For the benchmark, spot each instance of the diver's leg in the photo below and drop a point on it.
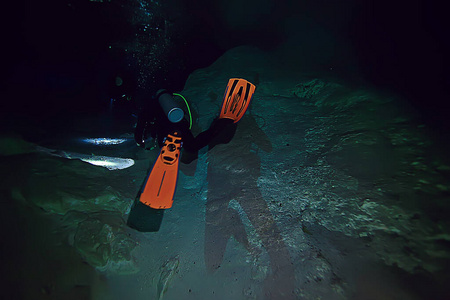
(221, 221)
(280, 283)
(221, 131)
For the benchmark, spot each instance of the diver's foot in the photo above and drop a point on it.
(238, 94)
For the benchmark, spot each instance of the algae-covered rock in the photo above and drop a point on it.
(367, 155)
(310, 89)
(58, 185)
(13, 144)
(103, 243)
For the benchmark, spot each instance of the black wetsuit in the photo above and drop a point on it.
(152, 122)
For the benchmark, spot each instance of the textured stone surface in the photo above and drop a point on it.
(104, 244)
(325, 192)
(350, 161)
(90, 208)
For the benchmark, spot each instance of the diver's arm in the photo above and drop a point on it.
(139, 131)
(145, 128)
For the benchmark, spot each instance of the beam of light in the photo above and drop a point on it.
(111, 163)
(104, 141)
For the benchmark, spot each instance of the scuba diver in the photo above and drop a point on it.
(163, 121)
(162, 116)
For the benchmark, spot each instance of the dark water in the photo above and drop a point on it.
(84, 68)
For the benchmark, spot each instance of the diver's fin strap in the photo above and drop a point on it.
(237, 97)
(160, 186)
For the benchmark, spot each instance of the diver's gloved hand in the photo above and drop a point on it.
(149, 143)
(145, 134)
(139, 139)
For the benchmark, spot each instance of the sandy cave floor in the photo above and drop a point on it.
(325, 192)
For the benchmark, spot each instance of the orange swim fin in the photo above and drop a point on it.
(238, 94)
(160, 187)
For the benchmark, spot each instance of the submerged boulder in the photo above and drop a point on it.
(104, 244)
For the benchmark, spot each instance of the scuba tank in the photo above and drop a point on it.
(170, 107)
